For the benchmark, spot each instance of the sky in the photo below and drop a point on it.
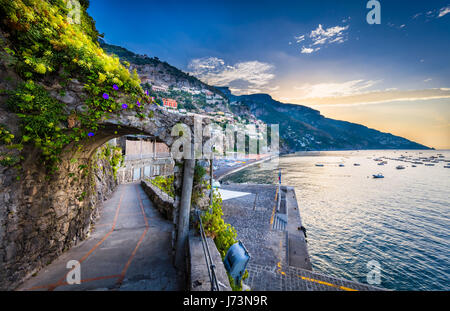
(393, 76)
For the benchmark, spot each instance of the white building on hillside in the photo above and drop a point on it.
(160, 88)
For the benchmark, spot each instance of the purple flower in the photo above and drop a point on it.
(138, 103)
(124, 106)
(105, 96)
(115, 87)
(90, 134)
(146, 92)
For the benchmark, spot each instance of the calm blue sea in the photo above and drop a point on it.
(401, 221)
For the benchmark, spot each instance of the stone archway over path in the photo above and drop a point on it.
(40, 217)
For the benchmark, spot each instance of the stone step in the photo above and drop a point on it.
(279, 223)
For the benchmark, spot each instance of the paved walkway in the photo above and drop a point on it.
(129, 249)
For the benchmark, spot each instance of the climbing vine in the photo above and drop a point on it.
(200, 184)
(223, 234)
(116, 160)
(40, 116)
(113, 154)
(6, 136)
(165, 183)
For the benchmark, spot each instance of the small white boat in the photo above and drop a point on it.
(400, 167)
(381, 163)
(446, 166)
(379, 175)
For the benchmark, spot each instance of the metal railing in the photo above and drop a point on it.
(209, 262)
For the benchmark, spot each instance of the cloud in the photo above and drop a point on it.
(322, 37)
(299, 39)
(360, 97)
(434, 13)
(307, 50)
(243, 77)
(392, 25)
(319, 33)
(323, 90)
(444, 11)
(427, 80)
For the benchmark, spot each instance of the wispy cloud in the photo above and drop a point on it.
(242, 77)
(392, 25)
(444, 11)
(299, 39)
(427, 80)
(434, 13)
(323, 90)
(354, 95)
(322, 37)
(307, 50)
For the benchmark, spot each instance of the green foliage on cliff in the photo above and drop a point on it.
(165, 183)
(200, 184)
(6, 136)
(48, 47)
(223, 234)
(113, 155)
(40, 116)
(116, 160)
(7, 139)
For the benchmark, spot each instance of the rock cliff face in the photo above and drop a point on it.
(303, 128)
(157, 70)
(41, 218)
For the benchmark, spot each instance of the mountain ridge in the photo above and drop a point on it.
(304, 128)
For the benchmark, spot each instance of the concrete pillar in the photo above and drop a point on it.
(183, 214)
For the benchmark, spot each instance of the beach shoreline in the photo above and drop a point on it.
(222, 172)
